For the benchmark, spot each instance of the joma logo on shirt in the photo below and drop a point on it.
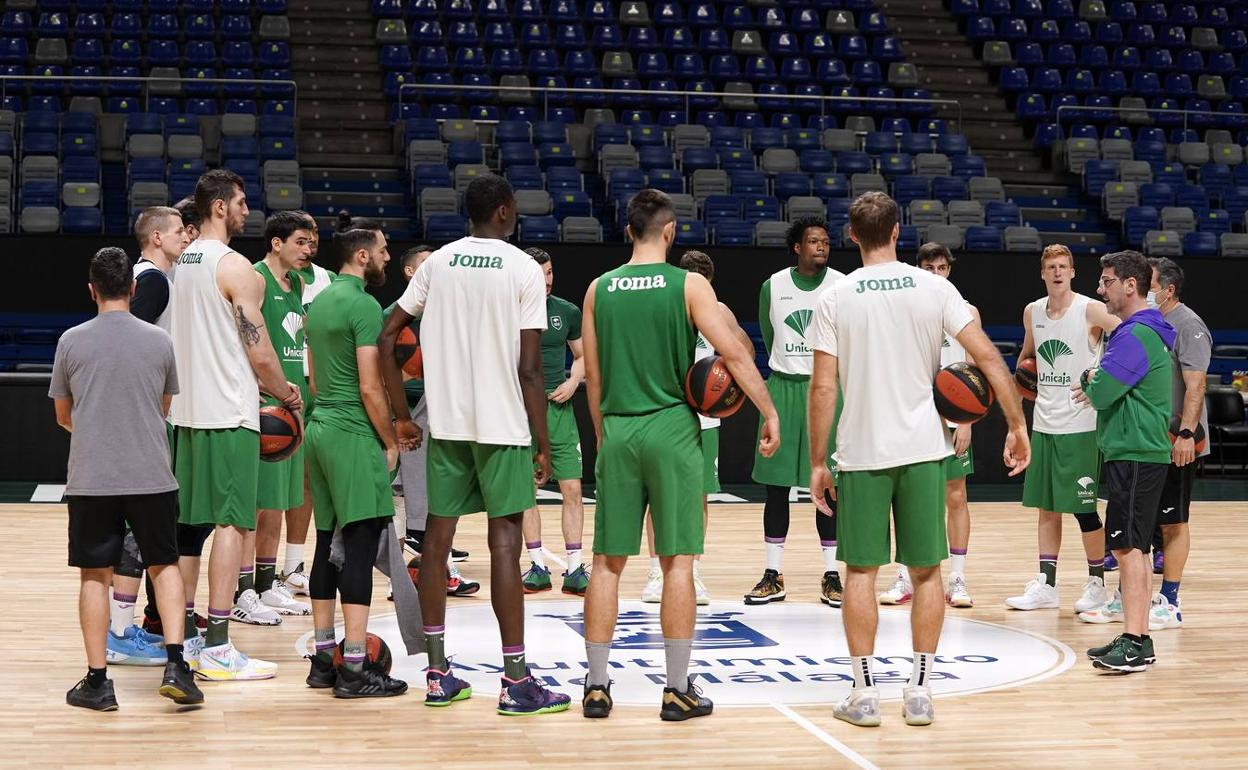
(473, 260)
(885, 284)
(640, 283)
(190, 258)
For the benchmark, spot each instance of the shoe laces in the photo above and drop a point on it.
(767, 582)
(957, 585)
(143, 637)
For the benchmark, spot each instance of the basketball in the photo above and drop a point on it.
(1198, 434)
(962, 393)
(1025, 377)
(376, 653)
(710, 389)
(280, 433)
(413, 570)
(407, 354)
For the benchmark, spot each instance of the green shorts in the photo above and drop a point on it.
(959, 466)
(648, 460)
(790, 465)
(467, 477)
(710, 461)
(914, 493)
(348, 476)
(565, 441)
(1063, 473)
(281, 484)
(218, 473)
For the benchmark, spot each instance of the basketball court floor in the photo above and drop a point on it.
(1013, 688)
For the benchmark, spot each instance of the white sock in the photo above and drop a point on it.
(829, 557)
(903, 573)
(294, 557)
(535, 553)
(957, 564)
(922, 668)
(654, 564)
(862, 671)
(121, 614)
(697, 568)
(574, 559)
(775, 553)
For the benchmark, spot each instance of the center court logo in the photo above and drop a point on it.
(1051, 351)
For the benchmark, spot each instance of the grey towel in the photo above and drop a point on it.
(390, 562)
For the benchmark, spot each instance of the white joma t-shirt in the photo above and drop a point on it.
(473, 297)
(885, 325)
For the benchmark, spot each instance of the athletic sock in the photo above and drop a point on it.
(862, 671)
(353, 656)
(535, 553)
(903, 572)
(774, 546)
(1170, 590)
(294, 557)
(190, 629)
(574, 557)
(1048, 567)
(173, 652)
(325, 643)
(957, 561)
(121, 613)
(218, 627)
(96, 677)
(246, 578)
(829, 555)
(655, 566)
(435, 643)
(598, 655)
(266, 573)
(677, 652)
(514, 666)
(1096, 568)
(922, 668)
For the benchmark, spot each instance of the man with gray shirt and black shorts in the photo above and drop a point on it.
(112, 380)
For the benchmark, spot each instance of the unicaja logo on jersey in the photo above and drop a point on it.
(701, 343)
(1050, 351)
(638, 283)
(293, 324)
(1086, 491)
(798, 321)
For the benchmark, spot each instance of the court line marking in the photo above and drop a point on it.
(822, 735)
(48, 493)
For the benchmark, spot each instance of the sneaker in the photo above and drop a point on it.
(296, 582)
(1124, 657)
(368, 682)
(831, 591)
(679, 706)
(701, 596)
(101, 698)
(653, 592)
(413, 545)
(900, 592)
(861, 707)
(1159, 562)
(442, 688)
(527, 696)
(1094, 595)
(1111, 564)
(458, 585)
(282, 601)
(916, 705)
(321, 673)
(1038, 595)
(769, 589)
(576, 583)
(191, 650)
(155, 640)
(1150, 656)
(249, 609)
(537, 579)
(596, 703)
(225, 663)
(1164, 614)
(178, 685)
(956, 596)
(133, 649)
(1109, 612)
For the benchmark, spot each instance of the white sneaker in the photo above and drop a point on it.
(957, 595)
(279, 599)
(191, 650)
(916, 704)
(1109, 612)
(296, 582)
(1164, 614)
(1038, 595)
(701, 595)
(224, 663)
(899, 593)
(653, 592)
(249, 609)
(1094, 595)
(861, 707)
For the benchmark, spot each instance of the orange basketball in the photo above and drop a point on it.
(407, 354)
(711, 390)
(280, 433)
(376, 653)
(962, 393)
(1026, 378)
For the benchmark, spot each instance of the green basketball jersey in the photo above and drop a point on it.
(343, 318)
(645, 338)
(283, 319)
(563, 323)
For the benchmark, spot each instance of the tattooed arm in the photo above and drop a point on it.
(243, 288)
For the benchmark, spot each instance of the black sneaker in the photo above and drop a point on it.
(1150, 656)
(413, 544)
(679, 706)
(85, 696)
(178, 685)
(369, 682)
(831, 591)
(596, 703)
(321, 675)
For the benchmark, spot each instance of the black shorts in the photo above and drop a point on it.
(1176, 495)
(97, 528)
(1133, 490)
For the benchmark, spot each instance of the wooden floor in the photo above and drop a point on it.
(1189, 710)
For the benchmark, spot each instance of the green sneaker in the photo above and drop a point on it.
(576, 582)
(536, 579)
(1150, 657)
(1124, 657)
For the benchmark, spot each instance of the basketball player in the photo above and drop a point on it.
(641, 327)
(112, 378)
(563, 333)
(482, 307)
(352, 450)
(225, 359)
(1063, 332)
(700, 263)
(786, 304)
(190, 217)
(879, 332)
(1130, 391)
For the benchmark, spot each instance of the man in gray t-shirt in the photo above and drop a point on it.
(112, 380)
(1192, 349)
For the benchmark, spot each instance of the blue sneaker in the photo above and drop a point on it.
(527, 696)
(131, 649)
(1111, 564)
(442, 688)
(155, 640)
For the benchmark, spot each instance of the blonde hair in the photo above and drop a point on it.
(151, 220)
(1055, 250)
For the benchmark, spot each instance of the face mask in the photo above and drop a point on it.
(1151, 299)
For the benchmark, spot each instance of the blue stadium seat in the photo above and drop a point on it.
(720, 208)
(1136, 222)
(524, 177)
(1216, 221)
(911, 188)
(666, 179)
(572, 203)
(948, 188)
(543, 229)
(690, 233)
(445, 227)
(829, 186)
(82, 219)
(734, 233)
(655, 157)
(563, 178)
(790, 183)
(1200, 244)
(985, 238)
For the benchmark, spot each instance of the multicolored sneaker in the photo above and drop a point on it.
(861, 707)
(831, 592)
(191, 650)
(1111, 564)
(1109, 612)
(576, 582)
(458, 585)
(296, 581)
(537, 579)
(957, 596)
(596, 702)
(1124, 657)
(1159, 562)
(679, 706)
(1164, 615)
(769, 589)
(133, 648)
(701, 596)
(442, 688)
(900, 592)
(528, 696)
(652, 593)
(225, 663)
(916, 705)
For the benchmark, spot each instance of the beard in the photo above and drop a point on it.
(374, 274)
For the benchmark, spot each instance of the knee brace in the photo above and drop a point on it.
(1088, 522)
(131, 562)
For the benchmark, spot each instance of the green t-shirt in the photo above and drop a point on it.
(343, 318)
(563, 323)
(283, 315)
(645, 338)
(414, 388)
